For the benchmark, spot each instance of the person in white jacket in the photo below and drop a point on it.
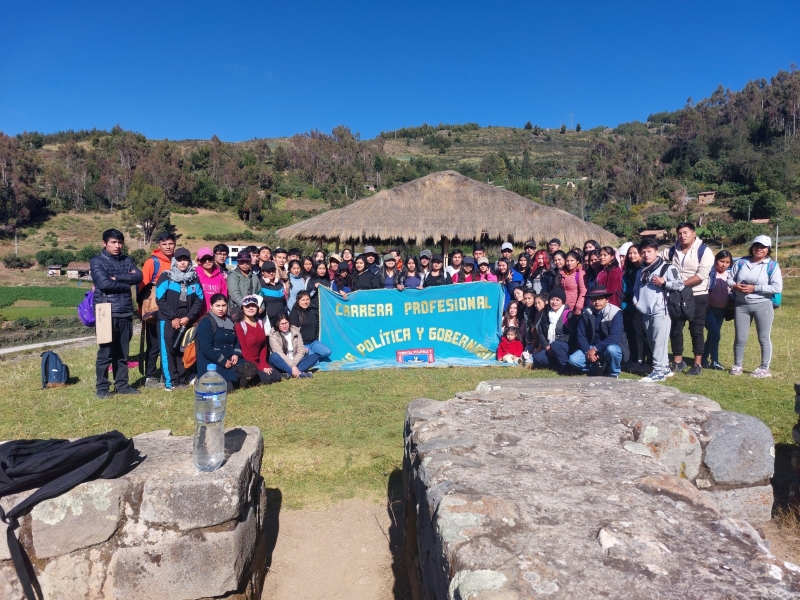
(756, 281)
(653, 280)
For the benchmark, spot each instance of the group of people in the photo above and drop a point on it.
(602, 310)
(597, 309)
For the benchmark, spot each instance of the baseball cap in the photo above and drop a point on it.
(252, 299)
(243, 256)
(437, 258)
(344, 267)
(204, 251)
(183, 253)
(426, 253)
(370, 250)
(530, 244)
(269, 266)
(483, 261)
(389, 257)
(507, 246)
(468, 260)
(764, 240)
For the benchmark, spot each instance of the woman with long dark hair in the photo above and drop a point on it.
(631, 317)
(718, 298)
(610, 275)
(306, 319)
(523, 266)
(362, 278)
(572, 283)
(288, 353)
(410, 277)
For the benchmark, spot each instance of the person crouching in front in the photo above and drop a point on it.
(602, 345)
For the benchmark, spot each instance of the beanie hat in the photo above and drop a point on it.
(558, 293)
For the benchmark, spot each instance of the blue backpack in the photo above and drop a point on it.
(54, 372)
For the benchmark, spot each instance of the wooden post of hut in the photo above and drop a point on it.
(445, 249)
(336, 248)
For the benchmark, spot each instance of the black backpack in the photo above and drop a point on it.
(55, 467)
(54, 372)
(680, 303)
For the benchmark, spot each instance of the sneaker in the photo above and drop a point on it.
(177, 387)
(129, 391)
(103, 394)
(655, 376)
(306, 375)
(761, 373)
(678, 367)
(695, 370)
(715, 366)
(736, 370)
(153, 383)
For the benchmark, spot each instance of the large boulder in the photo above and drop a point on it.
(581, 488)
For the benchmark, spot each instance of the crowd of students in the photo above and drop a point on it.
(594, 309)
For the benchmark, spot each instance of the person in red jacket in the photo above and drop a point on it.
(610, 276)
(252, 334)
(157, 263)
(510, 348)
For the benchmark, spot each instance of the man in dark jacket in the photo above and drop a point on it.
(271, 288)
(113, 274)
(602, 344)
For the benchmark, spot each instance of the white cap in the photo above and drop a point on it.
(623, 250)
(507, 246)
(764, 240)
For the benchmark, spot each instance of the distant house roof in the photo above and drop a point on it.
(78, 266)
(53, 266)
(648, 232)
(706, 193)
(760, 221)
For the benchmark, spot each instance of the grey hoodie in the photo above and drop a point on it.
(651, 299)
(744, 271)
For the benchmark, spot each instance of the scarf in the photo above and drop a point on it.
(649, 270)
(222, 323)
(183, 277)
(553, 317)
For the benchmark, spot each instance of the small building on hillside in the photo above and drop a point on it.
(706, 198)
(79, 270)
(760, 221)
(54, 270)
(658, 234)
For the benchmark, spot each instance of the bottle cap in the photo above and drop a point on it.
(212, 367)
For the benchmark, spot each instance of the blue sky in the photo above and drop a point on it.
(265, 69)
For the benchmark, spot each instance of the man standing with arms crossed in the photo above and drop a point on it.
(113, 274)
(694, 261)
(160, 261)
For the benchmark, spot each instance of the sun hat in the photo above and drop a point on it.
(204, 251)
(183, 253)
(483, 261)
(337, 257)
(764, 240)
(598, 291)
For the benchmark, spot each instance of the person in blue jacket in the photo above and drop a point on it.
(217, 343)
(510, 279)
(602, 345)
(179, 295)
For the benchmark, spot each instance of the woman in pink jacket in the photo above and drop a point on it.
(210, 277)
(573, 283)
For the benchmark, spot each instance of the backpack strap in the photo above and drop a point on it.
(156, 269)
(671, 253)
(771, 265)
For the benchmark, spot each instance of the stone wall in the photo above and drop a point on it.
(163, 530)
(588, 488)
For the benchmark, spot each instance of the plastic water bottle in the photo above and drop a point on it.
(210, 394)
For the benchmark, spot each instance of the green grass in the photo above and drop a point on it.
(206, 221)
(339, 435)
(56, 296)
(12, 313)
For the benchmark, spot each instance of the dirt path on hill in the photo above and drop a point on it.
(351, 550)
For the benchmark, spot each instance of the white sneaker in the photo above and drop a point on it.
(761, 373)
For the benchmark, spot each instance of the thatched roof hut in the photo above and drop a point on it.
(444, 206)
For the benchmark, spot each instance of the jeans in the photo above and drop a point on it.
(715, 317)
(763, 314)
(696, 325)
(152, 350)
(611, 356)
(556, 359)
(308, 361)
(634, 330)
(319, 349)
(115, 355)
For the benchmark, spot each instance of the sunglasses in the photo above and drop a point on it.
(207, 259)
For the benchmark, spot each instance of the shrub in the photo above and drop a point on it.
(17, 262)
(55, 256)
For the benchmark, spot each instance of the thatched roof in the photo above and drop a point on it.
(447, 205)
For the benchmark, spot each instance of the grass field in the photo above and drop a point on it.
(339, 435)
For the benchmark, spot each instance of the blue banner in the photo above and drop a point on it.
(439, 326)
